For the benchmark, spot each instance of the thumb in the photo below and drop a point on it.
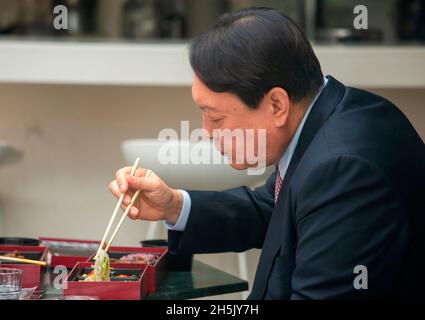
(141, 183)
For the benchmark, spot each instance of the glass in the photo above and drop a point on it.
(10, 283)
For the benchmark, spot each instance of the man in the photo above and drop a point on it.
(346, 197)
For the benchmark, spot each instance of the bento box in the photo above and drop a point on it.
(31, 275)
(67, 252)
(156, 268)
(128, 282)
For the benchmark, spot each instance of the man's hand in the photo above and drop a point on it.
(157, 201)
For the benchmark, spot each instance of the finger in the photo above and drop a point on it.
(114, 188)
(136, 210)
(121, 176)
(128, 197)
(133, 213)
(140, 172)
(142, 183)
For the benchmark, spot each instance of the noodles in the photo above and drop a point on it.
(101, 268)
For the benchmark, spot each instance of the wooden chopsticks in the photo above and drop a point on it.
(127, 210)
(40, 263)
(125, 214)
(114, 214)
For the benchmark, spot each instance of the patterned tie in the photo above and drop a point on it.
(277, 185)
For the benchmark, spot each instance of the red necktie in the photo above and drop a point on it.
(277, 185)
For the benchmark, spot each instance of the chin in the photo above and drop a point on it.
(238, 166)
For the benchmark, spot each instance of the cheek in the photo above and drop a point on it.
(252, 142)
(250, 124)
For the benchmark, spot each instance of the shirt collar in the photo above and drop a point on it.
(287, 156)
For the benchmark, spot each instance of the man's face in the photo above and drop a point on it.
(221, 111)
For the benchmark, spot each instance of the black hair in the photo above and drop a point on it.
(252, 50)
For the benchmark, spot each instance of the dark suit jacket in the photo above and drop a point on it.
(353, 195)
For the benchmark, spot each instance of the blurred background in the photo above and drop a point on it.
(328, 21)
(69, 98)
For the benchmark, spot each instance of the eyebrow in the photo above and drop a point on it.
(207, 108)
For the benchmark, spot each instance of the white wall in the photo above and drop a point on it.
(71, 135)
(71, 138)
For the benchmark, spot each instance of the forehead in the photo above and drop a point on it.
(210, 100)
(200, 92)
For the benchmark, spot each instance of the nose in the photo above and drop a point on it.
(207, 127)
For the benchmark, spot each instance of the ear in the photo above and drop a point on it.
(279, 103)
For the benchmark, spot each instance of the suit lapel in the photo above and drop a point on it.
(323, 108)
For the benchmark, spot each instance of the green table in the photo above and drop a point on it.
(202, 281)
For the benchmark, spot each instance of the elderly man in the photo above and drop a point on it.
(347, 195)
